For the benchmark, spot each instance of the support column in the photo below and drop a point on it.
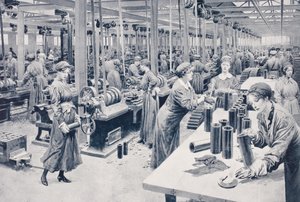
(186, 34)
(70, 43)
(203, 28)
(215, 37)
(170, 36)
(62, 43)
(21, 52)
(80, 45)
(154, 36)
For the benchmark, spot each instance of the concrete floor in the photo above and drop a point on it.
(97, 179)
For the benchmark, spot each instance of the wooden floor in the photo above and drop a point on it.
(97, 179)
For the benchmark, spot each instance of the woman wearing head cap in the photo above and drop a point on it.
(63, 153)
(224, 82)
(278, 130)
(133, 68)
(287, 90)
(273, 64)
(113, 75)
(164, 68)
(181, 99)
(35, 80)
(11, 66)
(148, 84)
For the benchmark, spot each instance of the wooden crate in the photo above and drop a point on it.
(9, 143)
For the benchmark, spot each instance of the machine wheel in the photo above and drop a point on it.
(88, 125)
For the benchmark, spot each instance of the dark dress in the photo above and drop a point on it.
(283, 138)
(167, 126)
(63, 151)
(150, 107)
(221, 84)
(35, 80)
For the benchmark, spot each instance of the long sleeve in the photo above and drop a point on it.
(259, 140)
(212, 85)
(184, 98)
(55, 98)
(278, 91)
(235, 84)
(283, 134)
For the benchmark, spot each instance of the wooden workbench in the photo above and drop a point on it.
(170, 177)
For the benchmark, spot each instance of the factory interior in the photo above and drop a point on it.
(149, 100)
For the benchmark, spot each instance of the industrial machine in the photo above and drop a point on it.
(105, 116)
(13, 100)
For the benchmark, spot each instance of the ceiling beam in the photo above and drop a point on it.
(35, 23)
(251, 8)
(34, 7)
(108, 11)
(233, 15)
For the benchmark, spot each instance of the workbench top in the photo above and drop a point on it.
(171, 176)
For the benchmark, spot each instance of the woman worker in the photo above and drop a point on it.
(278, 130)
(287, 90)
(35, 80)
(150, 104)
(224, 82)
(182, 99)
(63, 153)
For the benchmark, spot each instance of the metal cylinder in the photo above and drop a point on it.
(227, 142)
(241, 110)
(125, 148)
(120, 151)
(246, 123)
(226, 101)
(234, 98)
(223, 122)
(244, 99)
(199, 146)
(245, 106)
(215, 138)
(240, 117)
(208, 115)
(232, 118)
(265, 74)
(245, 149)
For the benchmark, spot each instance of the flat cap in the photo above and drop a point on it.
(62, 65)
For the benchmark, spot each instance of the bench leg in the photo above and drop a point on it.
(170, 198)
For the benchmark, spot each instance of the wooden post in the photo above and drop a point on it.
(170, 35)
(215, 37)
(122, 35)
(21, 52)
(94, 47)
(80, 44)
(70, 43)
(196, 25)
(222, 38)
(62, 43)
(186, 35)
(2, 41)
(102, 45)
(154, 36)
(203, 56)
(147, 30)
